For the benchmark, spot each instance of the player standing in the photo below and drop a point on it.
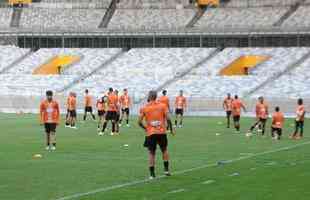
(180, 106)
(67, 124)
(118, 112)
(100, 105)
(72, 110)
(237, 104)
(49, 116)
(88, 105)
(164, 99)
(125, 103)
(261, 116)
(227, 106)
(299, 121)
(153, 118)
(111, 111)
(277, 124)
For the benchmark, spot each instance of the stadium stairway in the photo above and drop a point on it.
(16, 62)
(188, 71)
(199, 13)
(289, 12)
(83, 77)
(16, 15)
(279, 74)
(108, 14)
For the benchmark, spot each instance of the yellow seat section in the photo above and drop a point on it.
(12, 2)
(241, 65)
(56, 64)
(208, 2)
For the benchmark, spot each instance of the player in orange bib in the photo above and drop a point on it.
(88, 105)
(180, 106)
(237, 104)
(101, 108)
(299, 120)
(153, 118)
(125, 103)
(50, 116)
(67, 124)
(261, 116)
(118, 112)
(227, 106)
(112, 110)
(277, 124)
(164, 99)
(72, 110)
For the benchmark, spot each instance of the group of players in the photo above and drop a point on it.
(233, 107)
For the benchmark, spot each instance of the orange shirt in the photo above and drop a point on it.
(49, 112)
(228, 104)
(180, 102)
(277, 120)
(262, 110)
(164, 100)
(125, 101)
(155, 115)
(88, 101)
(68, 101)
(300, 112)
(72, 103)
(100, 105)
(236, 107)
(112, 102)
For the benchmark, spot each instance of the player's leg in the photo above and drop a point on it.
(151, 140)
(273, 132)
(85, 114)
(302, 129)
(263, 125)
(176, 118)
(67, 118)
(163, 143)
(181, 118)
(279, 133)
(121, 117)
(105, 123)
(237, 123)
(117, 118)
(92, 114)
(48, 138)
(256, 123)
(228, 115)
(53, 136)
(127, 116)
(296, 129)
(73, 118)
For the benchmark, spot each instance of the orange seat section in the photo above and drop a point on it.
(12, 2)
(56, 64)
(208, 2)
(241, 65)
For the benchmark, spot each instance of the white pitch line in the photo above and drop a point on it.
(105, 189)
(176, 191)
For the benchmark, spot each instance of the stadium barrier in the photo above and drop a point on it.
(197, 106)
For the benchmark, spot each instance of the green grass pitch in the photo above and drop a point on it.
(88, 167)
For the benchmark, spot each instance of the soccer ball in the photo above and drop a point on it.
(249, 134)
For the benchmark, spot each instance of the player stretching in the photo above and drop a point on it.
(299, 121)
(49, 116)
(277, 124)
(180, 106)
(111, 111)
(153, 118)
(88, 105)
(125, 103)
(101, 112)
(72, 110)
(261, 116)
(237, 104)
(227, 103)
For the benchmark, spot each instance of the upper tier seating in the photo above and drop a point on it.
(8, 54)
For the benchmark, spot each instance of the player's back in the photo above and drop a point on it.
(228, 103)
(236, 106)
(164, 100)
(155, 114)
(88, 100)
(277, 119)
(112, 102)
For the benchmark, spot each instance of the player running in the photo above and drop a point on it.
(111, 112)
(261, 116)
(299, 121)
(153, 118)
(88, 105)
(237, 104)
(50, 116)
(101, 108)
(277, 124)
(227, 106)
(125, 103)
(180, 106)
(72, 111)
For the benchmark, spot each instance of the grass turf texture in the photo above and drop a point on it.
(85, 162)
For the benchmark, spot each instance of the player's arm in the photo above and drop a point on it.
(141, 120)
(243, 107)
(41, 113)
(224, 105)
(171, 129)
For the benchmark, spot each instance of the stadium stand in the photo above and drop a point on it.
(260, 3)
(299, 18)
(9, 54)
(5, 14)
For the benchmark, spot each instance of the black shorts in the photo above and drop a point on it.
(262, 120)
(276, 130)
(101, 113)
(228, 113)
(179, 111)
(152, 141)
(89, 109)
(125, 110)
(111, 115)
(50, 127)
(72, 113)
(236, 118)
(118, 116)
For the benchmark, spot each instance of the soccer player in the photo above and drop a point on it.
(237, 104)
(153, 118)
(100, 105)
(299, 121)
(227, 103)
(111, 112)
(125, 103)
(88, 105)
(261, 116)
(277, 124)
(72, 110)
(180, 106)
(49, 116)
(118, 112)
(164, 99)
(67, 124)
